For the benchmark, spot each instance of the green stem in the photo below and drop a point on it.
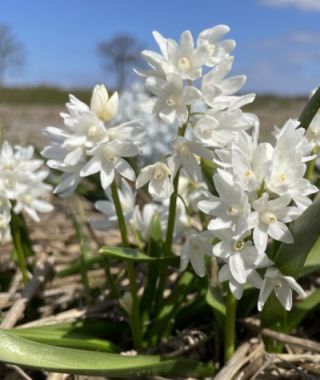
(230, 326)
(310, 170)
(134, 316)
(16, 232)
(170, 230)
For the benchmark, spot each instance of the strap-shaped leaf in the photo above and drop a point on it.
(30, 354)
(58, 337)
(131, 254)
(290, 258)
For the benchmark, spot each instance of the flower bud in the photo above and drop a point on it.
(104, 107)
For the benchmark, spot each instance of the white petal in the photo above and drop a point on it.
(279, 231)
(124, 169)
(93, 166)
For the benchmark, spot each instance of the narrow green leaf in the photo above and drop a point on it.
(215, 300)
(290, 258)
(131, 254)
(302, 308)
(25, 353)
(275, 317)
(89, 262)
(310, 110)
(313, 260)
(57, 337)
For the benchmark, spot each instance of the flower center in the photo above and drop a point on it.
(248, 174)
(314, 132)
(109, 155)
(27, 199)
(170, 101)
(268, 218)
(92, 131)
(277, 283)
(8, 165)
(282, 178)
(233, 210)
(8, 182)
(159, 174)
(238, 245)
(184, 63)
(183, 150)
(195, 246)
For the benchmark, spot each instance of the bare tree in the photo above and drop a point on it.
(11, 52)
(119, 55)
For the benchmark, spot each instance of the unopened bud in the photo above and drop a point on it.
(104, 107)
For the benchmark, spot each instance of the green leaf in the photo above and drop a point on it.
(302, 308)
(57, 337)
(290, 258)
(88, 262)
(275, 317)
(25, 353)
(313, 260)
(215, 300)
(131, 254)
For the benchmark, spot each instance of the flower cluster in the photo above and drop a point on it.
(177, 101)
(257, 188)
(91, 143)
(21, 185)
(261, 188)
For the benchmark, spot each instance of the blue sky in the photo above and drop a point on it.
(278, 41)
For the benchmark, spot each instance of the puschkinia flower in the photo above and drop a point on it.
(159, 177)
(91, 143)
(194, 249)
(22, 187)
(282, 286)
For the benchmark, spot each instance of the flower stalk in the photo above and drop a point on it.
(230, 326)
(134, 315)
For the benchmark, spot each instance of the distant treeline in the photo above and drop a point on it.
(56, 95)
(41, 95)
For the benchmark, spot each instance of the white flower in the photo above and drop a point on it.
(219, 128)
(235, 287)
(108, 159)
(172, 97)
(241, 255)
(142, 219)
(29, 202)
(290, 138)
(194, 249)
(183, 59)
(217, 50)
(268, 220)
(313, 131)
(184, 156)
(103, 106)
(159, 177)
(217, 90)
(231, 208)
(21, 185)
(250, 161)
(282, 286)
(199, 192)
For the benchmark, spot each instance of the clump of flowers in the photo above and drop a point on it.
(22, 186)
(255, 190)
